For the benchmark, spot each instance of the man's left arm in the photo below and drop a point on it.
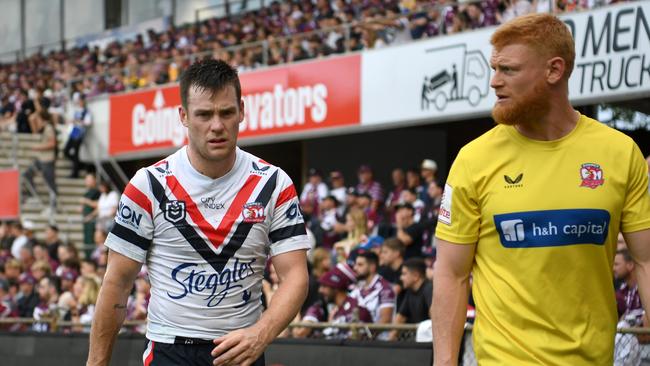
(244, 346)
(639, 245)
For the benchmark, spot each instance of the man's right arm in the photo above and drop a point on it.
(110, 310)
(450, 295)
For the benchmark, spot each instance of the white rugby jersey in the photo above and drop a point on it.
(205, 241)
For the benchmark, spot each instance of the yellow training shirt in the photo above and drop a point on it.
(545, 216)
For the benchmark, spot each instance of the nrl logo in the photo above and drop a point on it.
(174, 211)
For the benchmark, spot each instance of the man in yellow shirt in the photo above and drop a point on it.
(532, 209)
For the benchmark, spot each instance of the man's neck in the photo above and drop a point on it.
(368, 280)
(210, 169)
(396, 264)
(416, 286)
(557, 123)
(630, 281)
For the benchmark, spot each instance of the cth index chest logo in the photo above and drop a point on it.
(591, 175)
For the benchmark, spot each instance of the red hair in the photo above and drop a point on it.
(544, 33)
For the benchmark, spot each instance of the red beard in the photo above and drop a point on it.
(524, 109)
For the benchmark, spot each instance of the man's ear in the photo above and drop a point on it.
(182, 113)
(555, 70)
(242, 112)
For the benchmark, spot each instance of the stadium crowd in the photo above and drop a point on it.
(373, 252)
(371, 260)
(281, 32)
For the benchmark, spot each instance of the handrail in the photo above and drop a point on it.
(323, 325)
(124, 180)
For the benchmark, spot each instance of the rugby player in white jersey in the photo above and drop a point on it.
(204, 220)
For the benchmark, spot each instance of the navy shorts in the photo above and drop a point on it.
(185, 352)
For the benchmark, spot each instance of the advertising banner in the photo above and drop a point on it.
(10, 194)
(306, 96)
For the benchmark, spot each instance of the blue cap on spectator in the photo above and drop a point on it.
(374, 241)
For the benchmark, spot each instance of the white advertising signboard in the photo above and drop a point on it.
(447, 78)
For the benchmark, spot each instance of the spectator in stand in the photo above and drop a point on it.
(138, 303)
(6, 238)
(418, 292)
(329, 222)
(81, 121)
(339, 191)
(428, 171)
(13, 269)
(85, 290)
(26, 107)
(321, 262)
(627, 295)
(69, 259)
(21, 239)
(515, 8)
(270, 283)
(429, 219)
(45, 310)
(88, 210)
(391, 257)
(364, 202)
(315, 190)
(88, 268)
(106, 206)
(408, 231)
(7, 114)
(356, 225)
(6, 304)
(67, 278)
(41, 254)
(413, 181)
(52, 241)
(45, 157)
(27, 298)
(399, 184)
(368, 185)
(41, 269)
(335, 306)
(26, 257)
(409, 196)
(372, 291)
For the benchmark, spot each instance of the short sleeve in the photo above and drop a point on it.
(636, 209)
(314, 314)
(404, 309)
(287, 230)
(386, 297)
(132, 233)
(459, 214)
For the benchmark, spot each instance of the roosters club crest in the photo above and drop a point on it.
(591, 175)
(253, 212)
(174, 211)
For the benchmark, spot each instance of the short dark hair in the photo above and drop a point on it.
(54, 228)
(626, 255)
(370, 257)
(395, 245)
(416, 265)
(209, 74)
